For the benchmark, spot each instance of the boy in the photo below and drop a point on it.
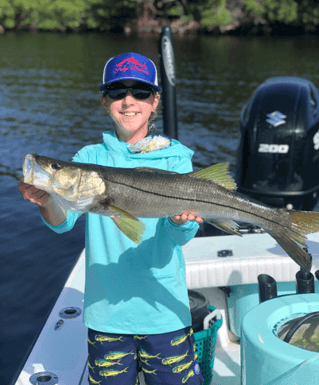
(136, 305)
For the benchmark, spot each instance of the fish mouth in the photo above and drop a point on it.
(28, 164)
(33, 173)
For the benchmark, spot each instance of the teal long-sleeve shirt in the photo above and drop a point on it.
(130, 288)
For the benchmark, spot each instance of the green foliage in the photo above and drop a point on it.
(104, 15)
(215, 13)
(208, 12)
(188, 18)
(63, 14)
(7, 14)
(285, 11)
(304, 13)
(255, 8)
(175, 11)
(309, 14)
(107, 14)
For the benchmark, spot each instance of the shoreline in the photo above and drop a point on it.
(193, 28)
(226, 17)
(146, 22)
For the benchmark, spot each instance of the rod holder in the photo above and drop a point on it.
(305, 282)
(267, 287)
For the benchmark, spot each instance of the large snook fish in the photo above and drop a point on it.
(126, 194)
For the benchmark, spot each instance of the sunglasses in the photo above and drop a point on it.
(139, 91)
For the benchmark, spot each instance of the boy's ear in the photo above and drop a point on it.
(157, 98)
(104, 102)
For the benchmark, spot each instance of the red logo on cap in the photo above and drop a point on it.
(132, 64)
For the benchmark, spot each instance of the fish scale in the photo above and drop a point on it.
(126, 194)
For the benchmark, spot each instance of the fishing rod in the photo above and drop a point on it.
(168, 83)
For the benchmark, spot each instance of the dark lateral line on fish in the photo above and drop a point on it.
(195, 200)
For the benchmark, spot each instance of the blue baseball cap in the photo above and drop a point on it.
(130, 66)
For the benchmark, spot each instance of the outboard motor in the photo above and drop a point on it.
(278, 154)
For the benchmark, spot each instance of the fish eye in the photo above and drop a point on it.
(55, 166)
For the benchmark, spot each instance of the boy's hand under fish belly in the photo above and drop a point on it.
(180, 219)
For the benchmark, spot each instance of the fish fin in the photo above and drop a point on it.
(304, 222)
(128, 224)
(132, 228)
(217, 173)
(122, 212)
(229, 226)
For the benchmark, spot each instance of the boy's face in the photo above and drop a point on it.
(130, 115)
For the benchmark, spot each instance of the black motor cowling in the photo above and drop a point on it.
(278, 154)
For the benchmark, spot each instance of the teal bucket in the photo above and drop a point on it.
(205, 343)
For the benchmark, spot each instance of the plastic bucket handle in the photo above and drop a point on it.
(216, 313)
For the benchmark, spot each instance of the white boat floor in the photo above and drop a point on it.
(63, 352)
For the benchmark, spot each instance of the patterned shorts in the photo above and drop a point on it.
(168, 358)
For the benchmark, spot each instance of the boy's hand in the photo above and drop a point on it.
(181, 219)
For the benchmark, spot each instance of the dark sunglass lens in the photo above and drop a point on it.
(117, 94)
(141, 94)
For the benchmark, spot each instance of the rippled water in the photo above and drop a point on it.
(49, 104)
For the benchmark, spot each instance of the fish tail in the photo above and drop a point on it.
(301, 223)
(304, 222)
(297, 253)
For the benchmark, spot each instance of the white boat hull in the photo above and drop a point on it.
(63, 352)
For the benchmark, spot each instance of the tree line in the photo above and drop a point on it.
(127, 15)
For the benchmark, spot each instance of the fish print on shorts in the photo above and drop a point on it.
(101, 338)
(117, 355)
(173, 359)
(112, 372)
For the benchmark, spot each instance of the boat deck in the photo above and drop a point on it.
(61, 349)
